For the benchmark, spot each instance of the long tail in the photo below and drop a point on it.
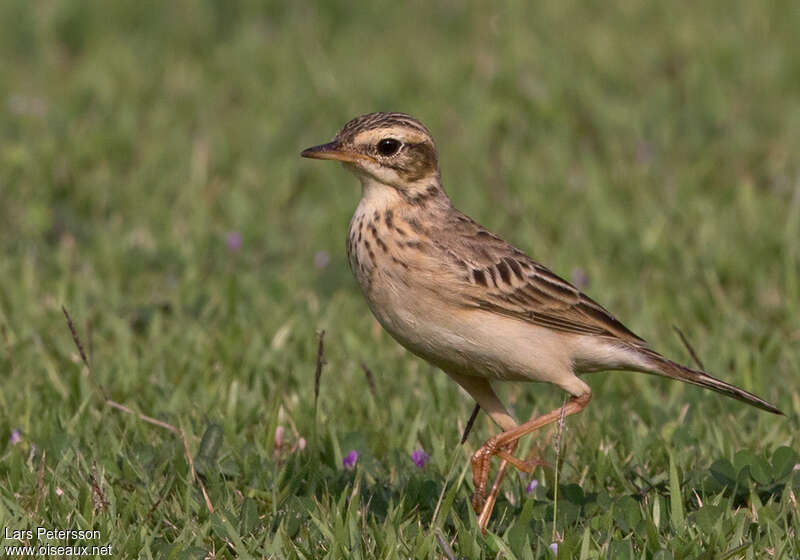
(668, 368)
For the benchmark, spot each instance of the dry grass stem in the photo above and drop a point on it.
(470, 422)
(689, 347)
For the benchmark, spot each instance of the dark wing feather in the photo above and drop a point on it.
(508, 282)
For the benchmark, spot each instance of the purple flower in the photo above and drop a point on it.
(579, 278)
(322, 259)
(349, 462)
(15, 437)
(644, 152)
(234, 241)
(420, 458)
(554, 548)
(531, 486)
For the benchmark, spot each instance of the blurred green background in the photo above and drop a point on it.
(150, 182)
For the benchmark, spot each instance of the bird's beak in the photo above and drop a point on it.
(332, 150)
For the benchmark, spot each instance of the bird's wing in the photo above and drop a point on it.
(502, 279)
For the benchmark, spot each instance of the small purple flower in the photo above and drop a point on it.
(579, 278)
(554, 548)
(15, 437)
(420, 458)
(322, 259)
(644, 152)
(349, 462)
(531, 486)
(234, 241)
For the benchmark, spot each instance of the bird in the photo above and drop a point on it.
(469, 302)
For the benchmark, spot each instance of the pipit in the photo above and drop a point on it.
(467, 301)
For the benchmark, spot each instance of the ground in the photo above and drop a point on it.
(150, 183)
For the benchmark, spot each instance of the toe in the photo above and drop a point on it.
(477, 502)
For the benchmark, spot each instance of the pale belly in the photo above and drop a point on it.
(471, 341)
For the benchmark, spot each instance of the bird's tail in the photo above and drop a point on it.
(668, 368)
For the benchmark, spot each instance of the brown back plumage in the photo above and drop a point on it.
(504, 280)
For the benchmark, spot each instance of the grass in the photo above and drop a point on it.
(651, 149)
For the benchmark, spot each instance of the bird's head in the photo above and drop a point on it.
(393, 149)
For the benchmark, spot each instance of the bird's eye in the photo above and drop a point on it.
(388, 146)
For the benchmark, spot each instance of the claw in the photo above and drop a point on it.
(478, 499)
(481, 461)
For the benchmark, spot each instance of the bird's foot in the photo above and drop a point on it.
(481, 463)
